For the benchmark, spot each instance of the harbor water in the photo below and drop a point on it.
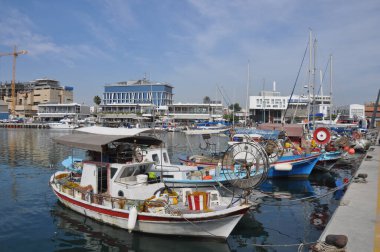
(294, 212)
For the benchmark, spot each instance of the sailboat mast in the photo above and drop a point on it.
(246, 101)
(331, 83)
(321, 78)
(314, 70)
(309, 76)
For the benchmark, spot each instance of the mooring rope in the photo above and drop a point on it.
(319, 246)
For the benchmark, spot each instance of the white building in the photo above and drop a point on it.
(268, 106)
(55, 112)
(195, 111)
(352, 111)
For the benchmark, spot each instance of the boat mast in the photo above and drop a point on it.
(331, 83)
(264, 100)
(314, 70)
(321, 78)
(309, 76)
(246, 101)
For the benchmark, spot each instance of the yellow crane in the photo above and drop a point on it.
(15, 53)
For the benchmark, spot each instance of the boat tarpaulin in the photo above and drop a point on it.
(292, 130)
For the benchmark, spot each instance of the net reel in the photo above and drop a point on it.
(245, 165)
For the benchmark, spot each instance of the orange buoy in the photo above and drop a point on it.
(346, 148)
(351, 151)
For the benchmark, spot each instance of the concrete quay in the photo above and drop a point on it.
(358, 215)
(24, 125)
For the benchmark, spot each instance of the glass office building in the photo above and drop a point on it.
(138, 92)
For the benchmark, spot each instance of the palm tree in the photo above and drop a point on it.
(206, 100)
(235, 107)
(97, 100)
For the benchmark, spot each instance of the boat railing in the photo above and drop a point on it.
(87, 194)
(164, 203)
(163, 166)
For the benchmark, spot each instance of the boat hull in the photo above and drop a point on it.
(211, 224)
(301, 167)
(62, 126)
(327, 160)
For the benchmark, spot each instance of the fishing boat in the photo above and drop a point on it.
(113, 187)
(282, 163)
(328, 159)
(294, 166)
(172, 174)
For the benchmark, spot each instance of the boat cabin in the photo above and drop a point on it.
(116, 164)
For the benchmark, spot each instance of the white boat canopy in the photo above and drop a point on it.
(117, 131)
(95, 142)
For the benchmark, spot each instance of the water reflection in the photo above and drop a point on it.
(75, 231)
(284, 188)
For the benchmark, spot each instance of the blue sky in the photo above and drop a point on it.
(193, 44)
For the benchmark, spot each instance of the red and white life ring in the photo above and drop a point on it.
(322, 135)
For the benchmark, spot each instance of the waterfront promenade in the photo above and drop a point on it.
(358, 216)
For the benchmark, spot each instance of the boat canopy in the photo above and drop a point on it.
(266, 134)
(292, 130)
(117, 131)
(95, 142)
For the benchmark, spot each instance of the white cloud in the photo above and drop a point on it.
(21, 31)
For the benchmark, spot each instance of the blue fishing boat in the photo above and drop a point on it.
(201, 179)
(328, 159)
(295, 166)
(73, 164)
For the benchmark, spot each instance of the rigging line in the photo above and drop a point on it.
(294, 86)
(323, 77)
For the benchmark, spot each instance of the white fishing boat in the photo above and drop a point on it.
(113, 187)
(174, 175)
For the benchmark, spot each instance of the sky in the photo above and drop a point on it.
(201, 47)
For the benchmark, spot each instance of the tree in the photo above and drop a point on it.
(235, 107)
(97, 100)
(206, 100)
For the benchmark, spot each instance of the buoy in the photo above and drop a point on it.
(346, 148)
(346, 180)
(283, 167)
(132, 218)
(351, 151)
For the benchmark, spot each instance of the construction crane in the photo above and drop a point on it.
(15, 53)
